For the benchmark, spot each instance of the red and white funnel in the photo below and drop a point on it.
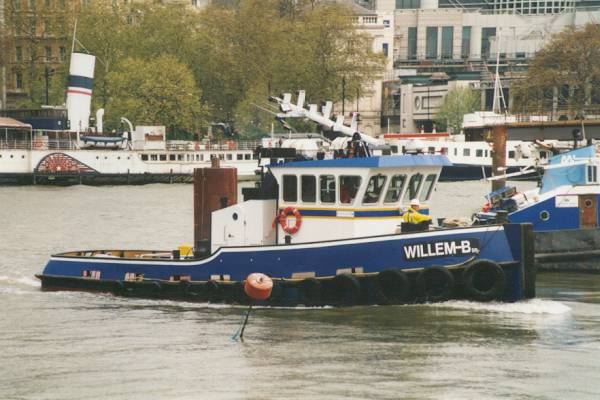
(79, 93)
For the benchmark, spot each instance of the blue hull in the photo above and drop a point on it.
(411, 253)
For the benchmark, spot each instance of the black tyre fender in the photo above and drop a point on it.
(346, 289)
(392, 286)
(309, 291)
(156, 288)
(435, 284)
(484, 280)
(277, 292)
(239, 294)
(118, 287)
(213, 290)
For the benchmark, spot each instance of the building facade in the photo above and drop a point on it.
(440, 44)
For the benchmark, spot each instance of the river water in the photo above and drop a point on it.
(72, 345)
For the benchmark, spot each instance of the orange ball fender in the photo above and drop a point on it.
(258, 286)
(282, 217)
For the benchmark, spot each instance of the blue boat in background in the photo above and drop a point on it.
(563, 209)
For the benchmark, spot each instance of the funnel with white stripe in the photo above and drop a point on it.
(79, 93)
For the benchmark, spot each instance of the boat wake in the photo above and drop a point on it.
(19, 281)
(534, 306)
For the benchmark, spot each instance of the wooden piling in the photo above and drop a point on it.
(499, 155)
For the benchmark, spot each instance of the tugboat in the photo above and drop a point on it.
(327, 232)
(563, 210)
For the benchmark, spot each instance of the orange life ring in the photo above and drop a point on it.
(258, 286)
(486, 207)
(282, 217)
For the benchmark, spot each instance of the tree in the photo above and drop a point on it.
(156, 92)
(458, 102)
(563, 74)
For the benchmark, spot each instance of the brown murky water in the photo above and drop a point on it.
(70, 345)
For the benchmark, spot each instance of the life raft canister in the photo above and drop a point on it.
(258, 286)
(282, 218)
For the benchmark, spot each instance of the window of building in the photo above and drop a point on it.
(384, 47)
(479, 153)
(171, 157)
(374, 189)
(408, 4)
(427, 187)
(153, 157)
(163, 157)
(349, 186)
(32, 4)
(486, 35)
(62, 53)
(144, 157)
(240, 156)
(395, 189)
(48, 53)
(19, 80)
(18, 54)
(465, 49)
(466, 152)
(431, 42)
(221, 156)
(327, 188)
(413, 187)
(247, 156)
(290, 188)
(308, 188)
(412, 43)
(447, 41)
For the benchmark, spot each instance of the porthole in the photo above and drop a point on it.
(588, 203)
(235, 216)
(544, 215)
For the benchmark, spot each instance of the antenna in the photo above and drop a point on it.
(498, 92)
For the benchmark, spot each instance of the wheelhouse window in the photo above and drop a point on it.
(479, 153)
(171, 157)
(163, 157)
(511, 154)
(327, 188)
(290, 188)
(427, 187)
(466, 152)
(395, 189)
(349, 186)
(413, 187)
(153, 157)
(308, 188)
(144, 157)
(374, 189)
